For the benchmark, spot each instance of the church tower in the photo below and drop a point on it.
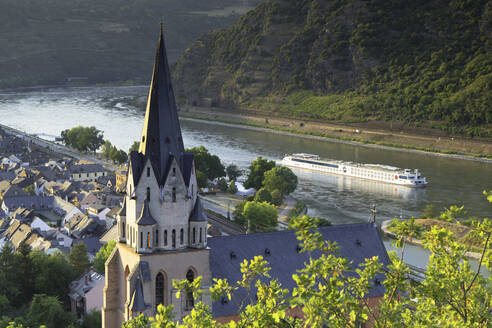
(162, 230)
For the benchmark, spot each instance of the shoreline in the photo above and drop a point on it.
(244, 125)
(417, 242)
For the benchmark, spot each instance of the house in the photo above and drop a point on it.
(91, 199)
(81, 226)
(10, 204)
(121, 179)
(86, 293)
(87, 172)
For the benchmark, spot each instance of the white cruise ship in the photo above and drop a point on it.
(381, 173)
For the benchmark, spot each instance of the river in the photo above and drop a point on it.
(338, 199)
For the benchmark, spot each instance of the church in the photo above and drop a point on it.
(162, 228)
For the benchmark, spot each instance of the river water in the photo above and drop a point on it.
(338, 199)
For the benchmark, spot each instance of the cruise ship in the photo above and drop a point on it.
(375, 172)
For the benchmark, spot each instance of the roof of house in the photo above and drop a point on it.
(356, 241)
(86, 168)
(84, 284)
(36, 202)
(197, 213)
(137, 303)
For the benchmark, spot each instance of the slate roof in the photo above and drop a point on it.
(145, 270)
(36, 202)
(86, 168)
(356, 241)
(197, 213)
(145, 217)
(137, 304)
(122, 211)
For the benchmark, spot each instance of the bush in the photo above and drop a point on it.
(263, 195)
(232, 189)
(277, 198)
(222, 184)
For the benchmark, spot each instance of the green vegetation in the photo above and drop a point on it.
(280, 178)
(263, 195)
(111, 152)
(330, 291)
(232, 189)
(256, 216)
(96, 42)
(425, 63)
(134, 147)
(207, 163)
(78, 258)
(102, 255)
(232, 171)
(83, 138)
(257, 171)
(222, 183)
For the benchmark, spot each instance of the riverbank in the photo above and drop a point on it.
(351, 134)
(385, 228)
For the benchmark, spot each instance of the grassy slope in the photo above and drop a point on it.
(427, 63)
(48, 41)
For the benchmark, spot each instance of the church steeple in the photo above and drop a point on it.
(161, 134)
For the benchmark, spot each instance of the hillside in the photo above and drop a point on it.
(94, 41)
(425, 62)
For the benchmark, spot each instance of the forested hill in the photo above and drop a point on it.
(427, 62)
(97, 41)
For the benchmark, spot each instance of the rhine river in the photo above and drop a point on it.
(338, 199)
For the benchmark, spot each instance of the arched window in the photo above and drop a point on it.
(149, 241)
(191, 190)
(148, 194)
(141, 239)
(165, 237)
(173, 237)
(181, 236)
(174, 194)
(194, 235)
(201, 235)
(123, 226)
(174, 171)
(148, 172)
(159, 289)
(127, 273)
(157, 237)
(190, 302)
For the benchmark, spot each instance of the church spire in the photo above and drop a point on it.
(161, 134)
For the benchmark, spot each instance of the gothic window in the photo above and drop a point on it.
(174, 171)
(194, 235)
(141, 239)
(157, 238)
(149, 241)
(123, 226)
(181, 236)
(168, 141)
(165, 237)
(200, 235)
(159, 289)
(173, 237)
(191, 190)
(148, 194)
(190, 302)
(174, 195)
(148, 171)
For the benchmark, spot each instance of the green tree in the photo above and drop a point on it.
(119, 156)
(232, 189)
(280, 178)
(106, 149)
(430, 212)
(222, 184)
(201, 179)
(83, 138)
(233, 172)
(134, 147)
(277, 198)
(207, 163)
(260, 216)
(237, 213)
(29, 189)
(93, 319)
(49, 266)
(79, 259)
(24, 272)
(102, 255)
(257, 170)
(48, 311)
(263, 195)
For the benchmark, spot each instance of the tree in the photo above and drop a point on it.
(83, 138)
(233, 172)
(78, 258)
(222, 184)
(30, 189)
(201, 179)
(24, 272)
(257, 170)
(280, 178)
(49, 266)
(277, 198)
(102, 255)
(93, 319)
(48, 311)
(260, 216)
(106, 149)
(134, 147)
(120, 156)
(430, 212)
(263, 195)
(232, 189)
(207, 163)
